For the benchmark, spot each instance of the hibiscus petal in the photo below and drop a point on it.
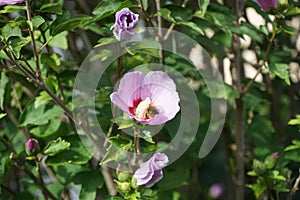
(157, 176)
(129, 90)
(165, 99)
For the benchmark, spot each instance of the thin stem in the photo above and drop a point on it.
(265, 59)
(159, 26)
(35, 54)
(295, 187)
(173, 24)
(148, 18)
(136, 139)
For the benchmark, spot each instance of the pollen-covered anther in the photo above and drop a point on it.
(142, 108)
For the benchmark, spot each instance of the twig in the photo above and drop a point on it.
(35, 54)
(136, 139)
(295, 187)
(173, 24)
(159, 26)
(266, 57)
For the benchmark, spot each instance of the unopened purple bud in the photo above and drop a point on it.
(32, 144)
(276, 155)
(216, 190)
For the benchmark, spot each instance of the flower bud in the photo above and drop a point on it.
(123, 186)
(31, 144)
(121, 174)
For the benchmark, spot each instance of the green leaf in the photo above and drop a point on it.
(16, 44)
(117, 150)
(276, 176)
(292, 11)
(10, 31)
(281, 70)
(4, 80)
(288, 29)
(77, 154)
(42, 99)
(120, 141)
(47, 130)
(12, 8)
(89, 185)
(66, 22)
(56, 147)
(39, 116)
(55, 8)
(296, 145)
(203, 4)
(109, 7)
(60, 40)
(295, 121)
(52, 61)
(251, 31)
(2, 115)
(145, 4)
(259, 188)
(37, 21)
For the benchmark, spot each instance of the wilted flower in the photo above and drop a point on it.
(150, 172)
(216, 190)
(150, 99)
(267, 4)
(32, 144)
(6, 2)
(125, 24)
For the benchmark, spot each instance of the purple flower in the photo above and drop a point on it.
(267, 4)
(150, 99)
(216, 190)
(32, 144)
(276, 155)
(150, 172)
(125, 24)
(6, 2)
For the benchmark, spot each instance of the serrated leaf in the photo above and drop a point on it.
(117, 150)
(10, 31)
(56, 147)
(281, 70)
(4, 80)
(77, 154)
(42, 99)
(16, 44)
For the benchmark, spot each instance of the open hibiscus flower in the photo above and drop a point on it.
(150, 99)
